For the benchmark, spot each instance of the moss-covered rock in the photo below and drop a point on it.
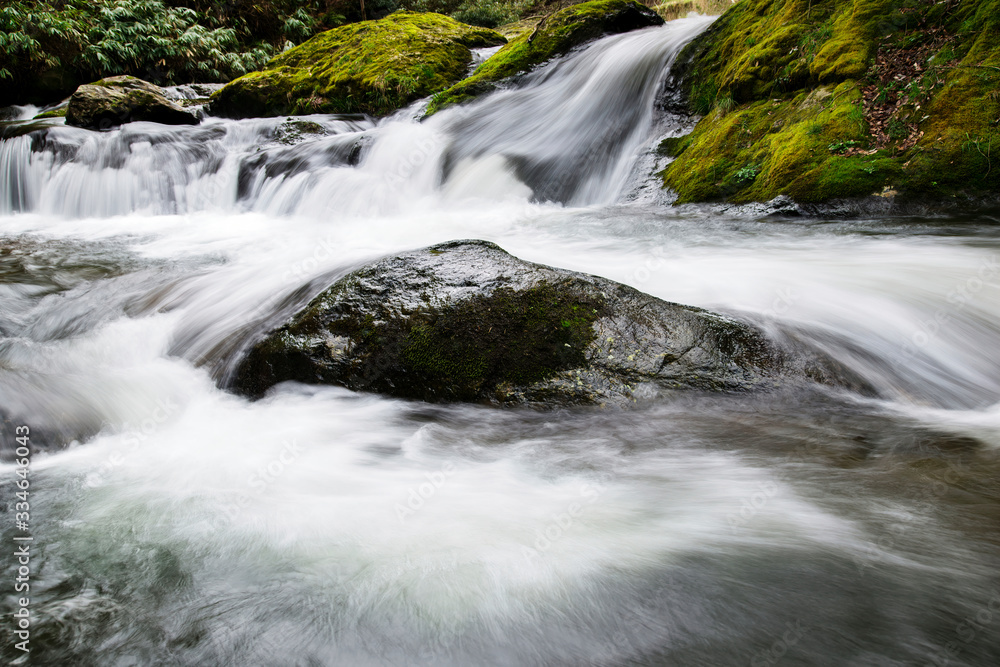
(123, 99)
(58, 112)
(834, 99)
(554, 35)
(372, 67)
(465, 321)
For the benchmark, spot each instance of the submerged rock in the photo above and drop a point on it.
(466, 321)
(123, 99)
(19, 128)
(372, 67)
(554, 35)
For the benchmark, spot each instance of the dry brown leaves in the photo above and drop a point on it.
(892, 72)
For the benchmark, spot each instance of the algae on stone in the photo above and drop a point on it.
(372, 67)
(552, 36)
(784, 87)
(58, 112)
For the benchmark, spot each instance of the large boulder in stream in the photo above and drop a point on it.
(552, 36)
(372, 67)
(123, 99)
(466, 321)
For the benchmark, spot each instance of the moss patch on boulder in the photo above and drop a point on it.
(554, 35)
(507, 337)
(58, 112)
(372, 67)
(835, 99)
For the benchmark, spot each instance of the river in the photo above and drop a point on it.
(175, 523)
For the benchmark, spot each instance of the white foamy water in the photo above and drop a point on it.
(185, 525)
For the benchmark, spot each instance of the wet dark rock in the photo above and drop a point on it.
(466, 321)
(124, 99)
(20, 128)
(286, 159)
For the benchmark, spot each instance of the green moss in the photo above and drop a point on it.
(514, 30)
(468, 351)
(673, 146)
(845, 55)
(372, 67)
(553, 36)
(58, 112)
(957, 156)
(778, 84)
(508, 337)
(774, 147)
(762, 48)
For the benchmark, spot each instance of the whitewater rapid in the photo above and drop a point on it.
(180, 524)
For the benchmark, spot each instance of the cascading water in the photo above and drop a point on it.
(570, 135)
(184, 525)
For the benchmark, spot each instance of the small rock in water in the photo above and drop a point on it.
(124, 99)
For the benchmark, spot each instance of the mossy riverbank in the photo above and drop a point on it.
(834, 99)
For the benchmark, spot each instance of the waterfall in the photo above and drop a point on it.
(568, 133)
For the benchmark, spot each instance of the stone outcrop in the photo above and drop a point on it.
(123, 99)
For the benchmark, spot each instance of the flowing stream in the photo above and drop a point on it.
(175, 523)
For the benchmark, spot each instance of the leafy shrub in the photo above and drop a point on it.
(748, 174)
(488, 13)
(47, 47)
(438, 6)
